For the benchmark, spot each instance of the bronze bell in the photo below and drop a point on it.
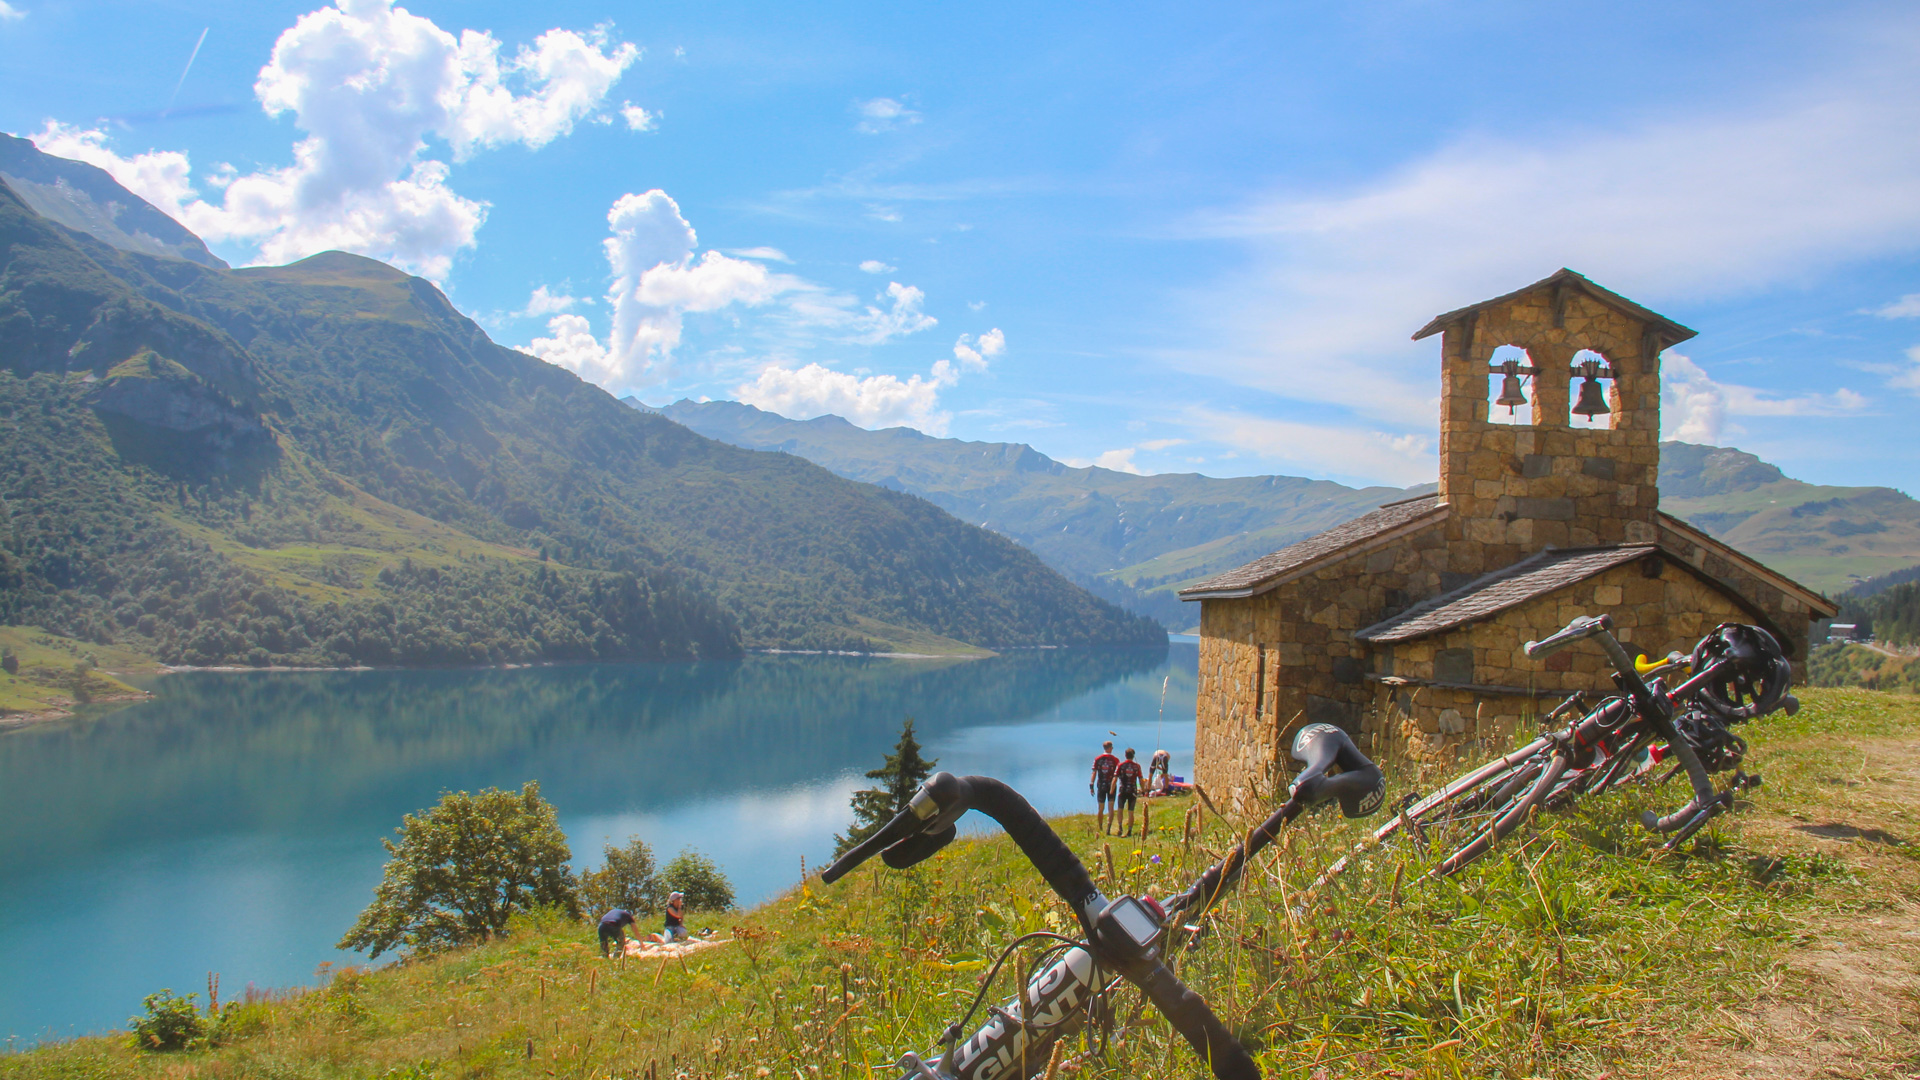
(1511, 395)
(1593, 400)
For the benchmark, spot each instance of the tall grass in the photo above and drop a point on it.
(1573, 949)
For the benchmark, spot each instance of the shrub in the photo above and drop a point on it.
(171, 1023)
(697, 876)
(625, 880)
(463, 868)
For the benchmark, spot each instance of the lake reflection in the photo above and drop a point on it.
(233, 823)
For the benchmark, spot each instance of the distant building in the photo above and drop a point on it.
(1842, 632)
(1405, 625)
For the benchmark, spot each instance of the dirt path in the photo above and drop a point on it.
(1844, 1000)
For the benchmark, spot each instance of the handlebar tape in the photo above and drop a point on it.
(1191, 1017)
(1043, 847)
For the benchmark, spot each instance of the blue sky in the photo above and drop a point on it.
(1181, 237)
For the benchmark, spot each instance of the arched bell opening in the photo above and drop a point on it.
(1591, 389)
(1510, 386)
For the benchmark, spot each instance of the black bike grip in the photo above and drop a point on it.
(1036, 839)
(1192, 1018)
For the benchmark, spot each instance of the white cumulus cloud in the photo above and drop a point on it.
(370, 84)
(973, 355)
(656, 281)
(873, 401)
(1695, 408)
(637, 118)
(545, 302)
(875, 266)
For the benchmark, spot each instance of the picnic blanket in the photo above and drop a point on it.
(655, 950)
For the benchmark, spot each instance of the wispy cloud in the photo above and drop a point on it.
(883, 114)
(1907, 307)
(875, 266)
(770, 254)
(1720, 201)
(9, 13)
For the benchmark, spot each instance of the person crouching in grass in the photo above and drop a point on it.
(613, 929)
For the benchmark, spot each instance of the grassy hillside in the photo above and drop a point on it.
(1822, 536)
(326, 463)
(51, 674)
(1782, 945)
(1132, 539)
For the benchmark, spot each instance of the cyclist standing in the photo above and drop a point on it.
(1128, 776)
(1101, 785)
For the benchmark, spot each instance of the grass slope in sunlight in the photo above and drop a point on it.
(1573, 950)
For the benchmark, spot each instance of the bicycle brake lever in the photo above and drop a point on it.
(917, 849)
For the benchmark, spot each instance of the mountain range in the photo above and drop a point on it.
(1137, 540)
(326, 463)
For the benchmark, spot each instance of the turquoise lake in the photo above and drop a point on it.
(233, 823)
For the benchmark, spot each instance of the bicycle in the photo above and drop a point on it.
(1125, 939)
(1734, 674)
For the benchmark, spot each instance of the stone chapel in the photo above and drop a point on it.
(1404, 626)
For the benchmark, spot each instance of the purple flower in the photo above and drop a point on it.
(1155, 859)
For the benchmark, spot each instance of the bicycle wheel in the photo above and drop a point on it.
(1501, 818)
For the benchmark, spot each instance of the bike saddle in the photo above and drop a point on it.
(1358, 784)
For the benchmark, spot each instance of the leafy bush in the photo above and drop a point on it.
(171, 1023)
(706, 888)
(625, 880)
(463, 868)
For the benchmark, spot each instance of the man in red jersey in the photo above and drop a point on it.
(1127, 778)
(1101, 785)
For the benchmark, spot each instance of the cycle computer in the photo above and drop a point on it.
(1128, 926)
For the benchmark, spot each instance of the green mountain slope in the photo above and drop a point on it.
(1132, 539)
(1138, 539)
(203, 461)
(1822, 536)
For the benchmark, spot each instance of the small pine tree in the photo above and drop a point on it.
(899, 778)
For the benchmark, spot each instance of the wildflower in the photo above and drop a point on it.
(1155, 860)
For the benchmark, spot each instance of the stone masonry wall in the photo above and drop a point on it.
(1517, 489)
(1432, 723)
(1272, 662)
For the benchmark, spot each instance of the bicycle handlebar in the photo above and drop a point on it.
(927, 824)
(1656, 709)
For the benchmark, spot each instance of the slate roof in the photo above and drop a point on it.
(1249, 579)
(1672, 332)
(1531, 577)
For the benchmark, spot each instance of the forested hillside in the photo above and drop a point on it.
(326, 462)
(1133, 539)
(1138, 539)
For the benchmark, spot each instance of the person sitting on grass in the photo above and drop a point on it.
(676, 927)
(613, 928)
(1128, 776)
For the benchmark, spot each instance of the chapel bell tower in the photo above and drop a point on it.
(1550, 420)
